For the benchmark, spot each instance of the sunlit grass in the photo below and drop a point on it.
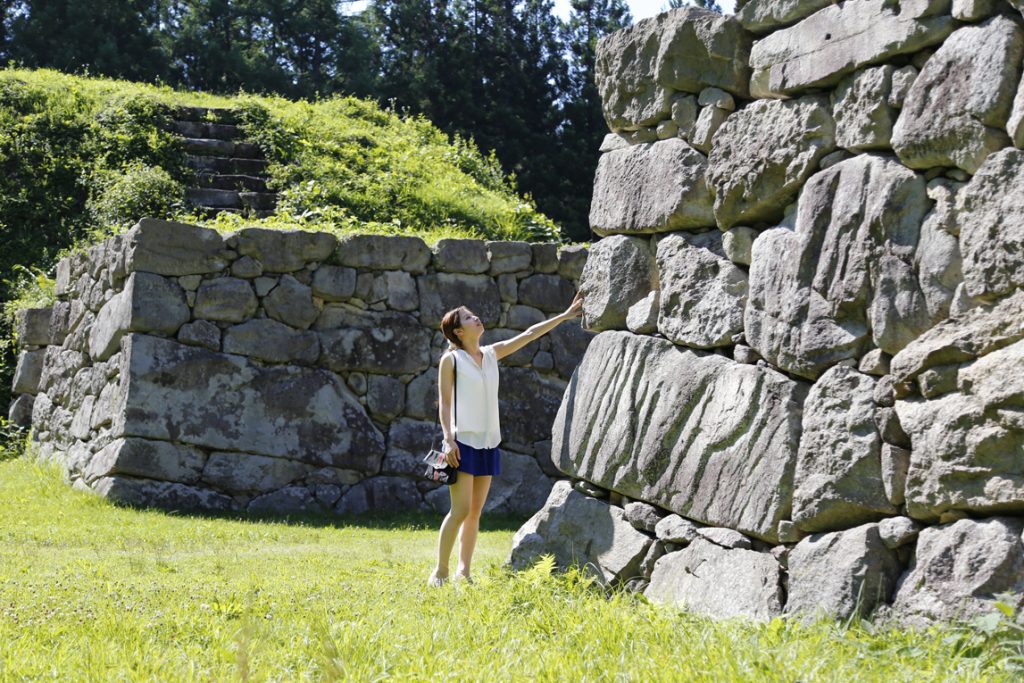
(93, 592)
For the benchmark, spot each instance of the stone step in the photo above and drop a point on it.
(240, 183)
(210, 211)
(228, 165)
(230, 199)
(222, 148)
(206, 129)
(206, 114)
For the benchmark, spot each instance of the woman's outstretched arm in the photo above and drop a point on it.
(510, 346)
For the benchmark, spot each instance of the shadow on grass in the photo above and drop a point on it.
(410, 521)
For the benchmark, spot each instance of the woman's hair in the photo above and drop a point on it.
(452, 321)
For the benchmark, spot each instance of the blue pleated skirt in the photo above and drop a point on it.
(480, 462)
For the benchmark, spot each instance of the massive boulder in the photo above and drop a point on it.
(763, 16)
(387, 343)
(285, 251)
(695, 433)
(148, 303)
(620, 271)
(991, 221)
(864, 117)
(219, 401)
(956, 111)
(706, 578)
(959, 569)
(652, 187)
(968, 444)
(584, 531)
(839, 471)
(687, 49)
(167, 248)
(839, 39)
(841, 574)
(845, 276)
(763, 154)
(702, 292)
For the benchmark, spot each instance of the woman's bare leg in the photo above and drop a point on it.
(471, 525)
(461, 493)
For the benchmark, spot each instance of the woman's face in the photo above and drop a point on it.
(470, 322)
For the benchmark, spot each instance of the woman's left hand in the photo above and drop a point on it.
(575, 307)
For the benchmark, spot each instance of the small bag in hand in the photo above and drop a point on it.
(438, 470)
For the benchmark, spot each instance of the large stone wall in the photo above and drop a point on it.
(807, 389)
(272, 371)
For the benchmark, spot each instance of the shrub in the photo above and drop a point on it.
(122, 197)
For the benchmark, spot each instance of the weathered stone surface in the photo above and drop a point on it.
(548, 293)
(647, 188)
(525, 395)
(684, 114)
(461, 256)
(967, 445)
(32, 326)
(545, 257)
(674, 529)
(291, 302)
(408, 441)
(613, 141)
(200, 333)
(709, 121)
(522, 317)
(384, 343)
(289, 500)
(702, 293)
(60, 322)
(148, 303)
(334, 283)
(20, 412)
(991, 221)
(860, 105)
(28, 372)
(737, 243)
(849, 262)
(577, 529)
(572, 259)
(959, 569)
(620, 271)
(727, 538)
(963, 337)
(841, 574)
(146, 458)
(649, 420)
(839, 480)
(168, 248)
(685, 49)
(160, 494)
(226, 299)
(234, 472)
(642, 317)
(569, 341)
(895, 465)
(379, 252)
(285, 251)
(896, 532)
(402, 293)
(956, 111)
(1015, 124)
(839, 39)
(222, 401)
(385, 397)
(381, 493)
(707, 579)
(642, 516)
(763, 154)
(273, 342)
(521, 358)
(245, 267)
(763, 16)
(441, 292)
(509, 257)
(973, 10)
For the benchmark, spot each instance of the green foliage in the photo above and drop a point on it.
(89, 591)
(997, 639)
(122, 196)
(13, 440)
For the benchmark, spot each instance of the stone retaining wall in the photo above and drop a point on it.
(285, 371)
(806, 392)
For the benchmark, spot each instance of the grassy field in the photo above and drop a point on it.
(92, 592)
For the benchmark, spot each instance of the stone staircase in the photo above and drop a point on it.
(230, 172)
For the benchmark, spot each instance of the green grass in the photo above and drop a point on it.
(93, 592)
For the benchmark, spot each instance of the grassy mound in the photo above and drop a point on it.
(89, 591)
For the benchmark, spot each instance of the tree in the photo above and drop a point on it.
(584, 124)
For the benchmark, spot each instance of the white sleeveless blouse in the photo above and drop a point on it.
(476, 394)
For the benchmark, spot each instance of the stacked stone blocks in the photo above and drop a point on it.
(808, 372)
(276, 371)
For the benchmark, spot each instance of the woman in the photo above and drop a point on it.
(471, 439)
